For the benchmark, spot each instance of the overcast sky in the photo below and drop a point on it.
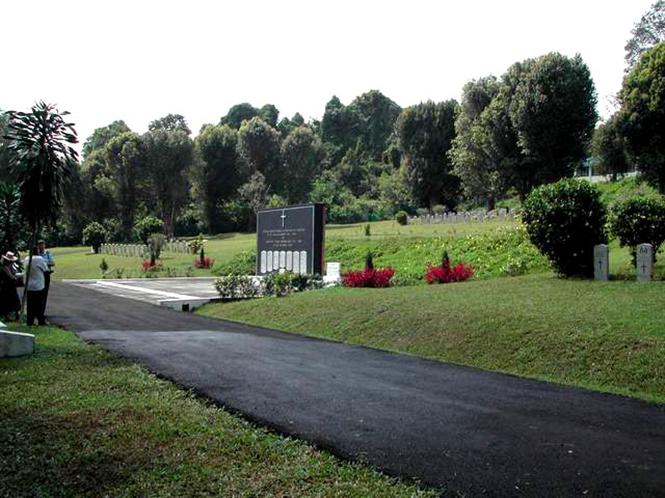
(140, 60)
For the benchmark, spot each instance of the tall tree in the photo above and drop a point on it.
(125, 162)
(339, 128)
(473, 156)
(170, 122)
(302, 153)
(643, 114)
(609, 147)
(41, 149)
(168, 157)
(553, 109)
(377, 114)
(101, 136)
(425, 133)
(647, 33)
(270, 114)
(259, 149)
(238, 114)
(216, 172)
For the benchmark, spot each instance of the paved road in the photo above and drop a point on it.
(475, 432)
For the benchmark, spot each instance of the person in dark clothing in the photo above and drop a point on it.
(9, 279)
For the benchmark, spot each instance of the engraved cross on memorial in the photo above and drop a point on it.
(290, 239)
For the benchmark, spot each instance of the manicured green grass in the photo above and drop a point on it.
(79, 262)
(604, 336)
(78, 421)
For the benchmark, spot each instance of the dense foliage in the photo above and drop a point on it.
(94, 235)
(564, 221)
(640, 220)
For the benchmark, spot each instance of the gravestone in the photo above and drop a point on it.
(601, 267)
(644, 260)
(334, 271)
(290, 239)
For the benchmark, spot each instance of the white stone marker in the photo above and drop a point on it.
(644, 260)
(601, 267)
(263, 262)
(282, 259)
(333, 271)
(296, 261)
(303, 262)
(289, 260)
(269, 261)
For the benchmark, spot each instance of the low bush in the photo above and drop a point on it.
(283, 284)
(564, 221)
(369, 277)
(445, 273)
(236, 287)
(402, 218)
(640, 220)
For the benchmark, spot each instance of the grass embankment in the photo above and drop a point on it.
(78, 421)
(603, 336)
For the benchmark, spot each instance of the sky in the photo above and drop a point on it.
(140, 60)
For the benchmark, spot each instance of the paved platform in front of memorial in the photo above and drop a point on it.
(180, 294)
(472, 431)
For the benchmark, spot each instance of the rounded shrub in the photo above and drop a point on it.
(564, 220)
(640, 220)
(147, 226)
(94, 235)
(402, 217)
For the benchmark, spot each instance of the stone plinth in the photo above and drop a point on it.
(16, 344)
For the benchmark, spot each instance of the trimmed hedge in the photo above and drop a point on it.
(640, 220)
(564, 220)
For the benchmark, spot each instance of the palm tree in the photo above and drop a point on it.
(42, 159)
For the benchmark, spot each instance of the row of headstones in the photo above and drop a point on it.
(177, 246)
(465, 216)
(643, 259)
(129, 250)
(140, 250)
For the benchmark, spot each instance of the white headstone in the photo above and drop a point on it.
(601, 267)
(263, 262)
(282, 259)
(289, 260)
(334, 270)
(303, 262)
(296, 261)
(275, 260)
(644, 260)
(269, 261)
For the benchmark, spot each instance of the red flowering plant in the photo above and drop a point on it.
(445, 273)
(151, 265)
(206, 262)
(203, 261)
(369, 277)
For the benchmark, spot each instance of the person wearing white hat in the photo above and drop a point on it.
(9, 279)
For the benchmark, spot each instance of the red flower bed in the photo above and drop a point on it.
(368, 277)
(146, 265)
(445, 273)
(204, 263)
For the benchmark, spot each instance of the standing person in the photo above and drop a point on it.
(35, 287)
(50, 262)
(9, 278)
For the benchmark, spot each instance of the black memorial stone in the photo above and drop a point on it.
(290, 239)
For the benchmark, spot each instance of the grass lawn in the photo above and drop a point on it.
(79, 421)
(607, 336)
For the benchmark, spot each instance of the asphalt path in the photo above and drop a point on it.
(470, 431)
